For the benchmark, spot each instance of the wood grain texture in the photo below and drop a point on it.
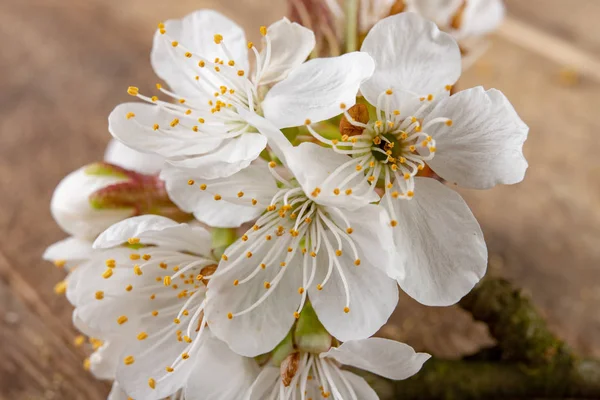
(66, 64)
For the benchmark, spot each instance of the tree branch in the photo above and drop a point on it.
(528, 362)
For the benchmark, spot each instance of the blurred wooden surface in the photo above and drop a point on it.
(66, 64)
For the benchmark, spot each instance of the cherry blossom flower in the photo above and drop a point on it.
(307, 243)
(204, 60)
(145, 285)
(313, 376)
(473, 139)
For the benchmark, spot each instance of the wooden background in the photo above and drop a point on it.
(64, 64)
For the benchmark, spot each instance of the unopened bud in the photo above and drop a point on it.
(358, 112)
(94, 197)
(288, 368)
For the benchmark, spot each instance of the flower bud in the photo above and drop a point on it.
(92, 198)
(310, 335)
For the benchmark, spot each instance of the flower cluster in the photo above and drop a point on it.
(246, 236)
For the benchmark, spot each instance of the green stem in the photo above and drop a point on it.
(221, 239)
(351, 25)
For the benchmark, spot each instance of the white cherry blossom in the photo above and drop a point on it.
(204, 60)
(306, 243)
(145, 285)
(315, 376)
(473, 138)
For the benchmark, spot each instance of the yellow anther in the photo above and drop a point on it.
(137, 270)
(122, 319)
(87, 364)
(319, 287)
(187, 339)
(175, 43)
(393, 223)
(129, 115)
(263, 265)
(255, 227)
(343, 106)
(155, 127)
(188, 54)
(176, 321)
(107, 274)
(154, 313)
(432, 149)
(230, 315)
(346, 310)
(282, 264)
(142, 336)
(201, 64)
(236, 282)
(307, 122)
(224, 257)
(203, 186)
(410, 193)
(395, 194)
(217, 69)
(167, 280)
(110, 263)
(377, 140)
(449, 122)
(217, 197)
(349, 231)
(296, 314)
(249, 254)
(79, 340)
(134, 256)
(169, 369)
(133, 91)
(152, 383)
(241, 72)
(267, 285)
(60, 263)
(348, 192)
(406, 176)
(358, 167)
(250, 45)
(378, 123)
(263, 30)
(396, 112)
(128, 360)
(448, 87)
(429, 97)
(389, 92)
(161, 25)
(268, 237)
(418, 128)
(218, 38)
(272, 164)
(133, 240)
(357, 262)
(402, 160)
(231, 63)
(99, 295)
(313, 254)
(240, 194)
(412, 148)
(394, 167)
(60, 287)
(158, 86)
(174, 123)
(338, 253)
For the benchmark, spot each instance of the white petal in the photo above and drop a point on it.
(103, 362)
(316, 89)
(484, 145)
(373, 297)
(442, 242)
(264, 384)
(276, 139)
(260, 330)
(125, 157)
(291, 44)
(220, 374)
(196, 33)
(360, 387)
(311, 164)
(72, 250)
(384, 357)
(233, 156)
(482, 17)
(159, 231)
(71, 208)
(413, 58)
(117, 393)
(139, 134)
(231, 210)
